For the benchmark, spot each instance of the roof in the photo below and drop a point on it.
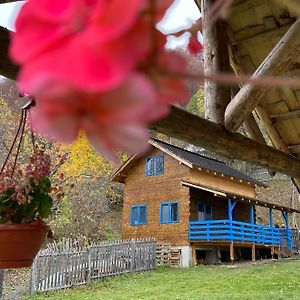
(254, 28)
(239, 198)
(207, 163)
(191, 159)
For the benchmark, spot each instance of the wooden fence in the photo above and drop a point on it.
(295, 241)
(66, 265)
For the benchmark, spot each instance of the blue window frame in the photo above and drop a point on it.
(169, 212)
(138, 215)
(204, 212)
(155, 165)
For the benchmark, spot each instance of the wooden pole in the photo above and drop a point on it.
(277, 62)
(211, 136)
(231, 248)
(8, 1)
(216, 59)
(253, 251)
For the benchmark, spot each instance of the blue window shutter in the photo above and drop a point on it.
(159, 164)
(150, 166)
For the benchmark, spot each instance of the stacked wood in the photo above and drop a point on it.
(175, 256)
(163, 255)
(167, 256)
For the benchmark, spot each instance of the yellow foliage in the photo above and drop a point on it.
(83, 160)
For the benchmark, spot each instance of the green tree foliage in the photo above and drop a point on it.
(196, 104)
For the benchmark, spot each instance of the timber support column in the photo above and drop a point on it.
(231, 252)
(216, 59)
(253, 252)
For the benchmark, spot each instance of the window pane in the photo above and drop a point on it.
(164, 212)
(150, 166)
(134, 215)
(143, 215)
(174, 212)
(200, 216)
(208, 211)
(159, 160)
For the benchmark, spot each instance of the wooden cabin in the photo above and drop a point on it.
(198, 204)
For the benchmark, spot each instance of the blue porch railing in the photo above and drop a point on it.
(238, 232)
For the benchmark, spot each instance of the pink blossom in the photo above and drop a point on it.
(95, 65)
(112, 121)
(86, 43)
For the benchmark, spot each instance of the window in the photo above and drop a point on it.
(155, 165)
(138, 215)
(169, 212)
(204, 212)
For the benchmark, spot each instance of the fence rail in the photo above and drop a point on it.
(55, 268)
(237, 231)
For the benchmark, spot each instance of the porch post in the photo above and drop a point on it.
(231, 248)
(271, 216)
(252, 221)
(229, 211)
(286, 219)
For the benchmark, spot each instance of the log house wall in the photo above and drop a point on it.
(153, 190)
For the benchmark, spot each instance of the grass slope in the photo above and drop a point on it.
(280, 280)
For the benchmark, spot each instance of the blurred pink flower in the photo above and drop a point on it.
(112, 121)
(94, 65)
(87, 43)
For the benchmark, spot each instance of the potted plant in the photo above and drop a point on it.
(25, 201)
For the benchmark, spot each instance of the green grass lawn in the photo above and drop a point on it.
(278, 280)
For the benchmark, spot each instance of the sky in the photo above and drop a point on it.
(180, 15)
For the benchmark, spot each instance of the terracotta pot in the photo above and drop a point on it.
(20, 243)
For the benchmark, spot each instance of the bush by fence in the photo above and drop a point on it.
(69, 264)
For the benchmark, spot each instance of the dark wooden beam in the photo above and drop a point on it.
(294, 149)
(7, 68)
(214, 137)
(216, 60)
(254, 130)
(277, 62)
(8, 1)
(289, 115)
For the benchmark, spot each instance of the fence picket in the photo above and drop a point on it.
(64, 264)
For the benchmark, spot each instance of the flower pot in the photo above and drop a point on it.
(20, 243)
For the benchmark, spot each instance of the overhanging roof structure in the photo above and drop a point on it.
(253, 201)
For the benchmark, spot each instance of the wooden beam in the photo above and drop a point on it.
(289, 115)
(277, 62)
(7, 68)
(254, 130)
(216, 59)
(274, 136)
(294, 148)
(211, 136)
(8, 1)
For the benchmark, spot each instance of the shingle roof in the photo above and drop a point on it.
(206, 162)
